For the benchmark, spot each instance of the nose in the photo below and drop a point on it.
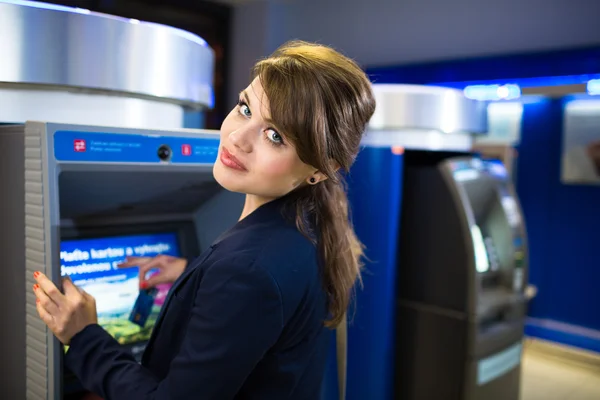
(241, 138)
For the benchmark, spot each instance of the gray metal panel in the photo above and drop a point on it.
(36, 333)
(64, 47)
(467, 219)
(427, 108)
(134, 191)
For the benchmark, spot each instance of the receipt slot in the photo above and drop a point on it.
(76, 200)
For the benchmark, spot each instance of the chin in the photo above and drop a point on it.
(229, 180)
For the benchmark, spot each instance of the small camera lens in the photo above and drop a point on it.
(164, 152)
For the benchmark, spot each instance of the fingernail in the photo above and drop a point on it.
(36, 274)
(36, 286)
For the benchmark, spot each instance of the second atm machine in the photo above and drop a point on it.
(462, 269)
(461, 281)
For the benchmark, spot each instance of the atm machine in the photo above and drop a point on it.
(461, 281)
(76, 195)
(90, 196)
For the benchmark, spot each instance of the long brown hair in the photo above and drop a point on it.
(321, 101)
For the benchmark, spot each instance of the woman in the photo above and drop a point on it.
(249, 318)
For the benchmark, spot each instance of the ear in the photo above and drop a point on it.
(316, 177)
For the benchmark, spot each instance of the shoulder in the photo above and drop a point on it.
(235, 284)
(274, 250)
(276, 259)
(269, 244)
(292, 260)
(285, 245)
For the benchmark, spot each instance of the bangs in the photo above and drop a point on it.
(296, 106)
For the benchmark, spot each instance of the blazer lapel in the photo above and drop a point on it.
(191, 268)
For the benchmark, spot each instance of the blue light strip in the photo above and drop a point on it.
(526, 82)
(492, 92)
(55, 7)
(593, 87)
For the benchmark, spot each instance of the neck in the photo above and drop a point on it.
(251, 203)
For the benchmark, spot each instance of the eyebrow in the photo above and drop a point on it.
(267, 120)
(243, 92)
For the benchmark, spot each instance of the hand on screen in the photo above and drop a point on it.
(169, 269)
(65, 314)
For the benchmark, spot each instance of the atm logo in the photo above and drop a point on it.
(79, 145)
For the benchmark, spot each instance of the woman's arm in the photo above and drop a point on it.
(237, 316)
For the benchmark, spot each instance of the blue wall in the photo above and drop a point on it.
(563, 223)
(519, 67)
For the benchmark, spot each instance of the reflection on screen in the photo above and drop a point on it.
(482, 263)
(92, 265)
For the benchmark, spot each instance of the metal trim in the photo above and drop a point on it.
(427, 108)
(65, 48)
(418, 139)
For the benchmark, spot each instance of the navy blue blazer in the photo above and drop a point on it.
(244, 321)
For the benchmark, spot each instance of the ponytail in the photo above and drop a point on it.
(340, 251)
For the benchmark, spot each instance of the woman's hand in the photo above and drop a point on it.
(65, 314)
(169, 269)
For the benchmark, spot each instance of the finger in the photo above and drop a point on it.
(49, 288)
(46, 302)
(44, 315)
(133, 262)
(70, 288)
(156, 262)
(83, 292)
(88, 297)
(154, 280)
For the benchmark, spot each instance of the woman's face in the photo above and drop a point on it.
(253, 157)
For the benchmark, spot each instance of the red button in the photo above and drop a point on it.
(79, 145)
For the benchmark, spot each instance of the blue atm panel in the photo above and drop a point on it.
(77, 146)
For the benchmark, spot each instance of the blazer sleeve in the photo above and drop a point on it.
(237, 316)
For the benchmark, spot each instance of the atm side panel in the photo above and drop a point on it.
(14, 293)
(41, 254)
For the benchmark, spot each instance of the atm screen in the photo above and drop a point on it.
(92, 265)
(488, 207)
(482, 262)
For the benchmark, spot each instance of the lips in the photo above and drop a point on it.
(230, 161)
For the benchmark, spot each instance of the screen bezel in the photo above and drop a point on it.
(185, 231)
